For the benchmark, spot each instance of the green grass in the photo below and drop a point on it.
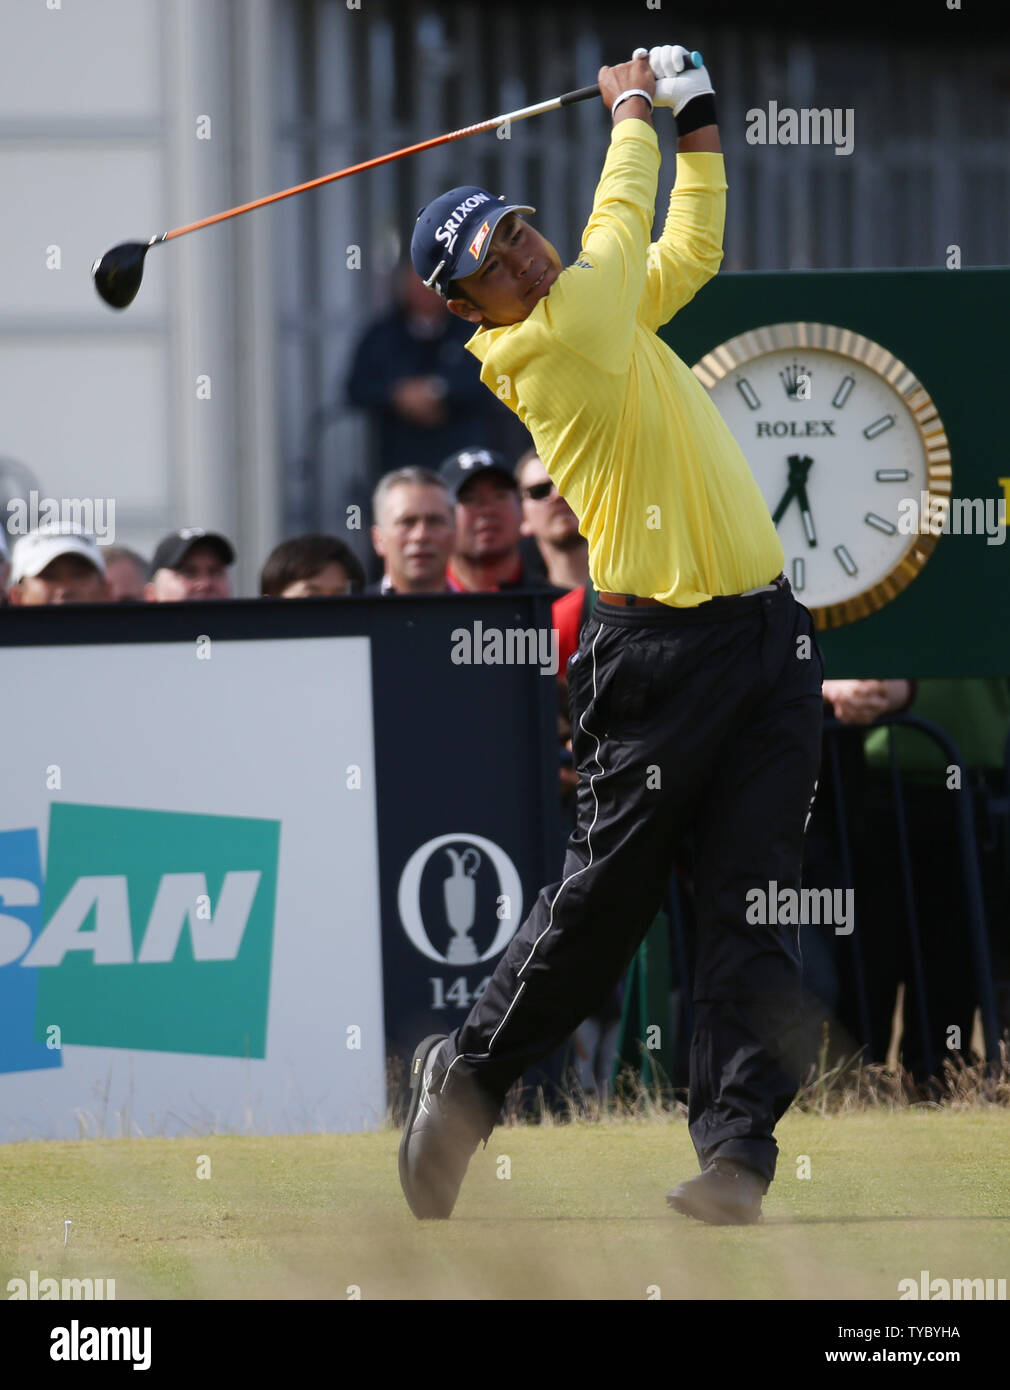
(583, 1214)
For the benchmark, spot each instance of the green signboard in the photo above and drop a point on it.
(157, 930)
(836, 454)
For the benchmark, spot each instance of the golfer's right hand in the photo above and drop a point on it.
(676, 84)
(613, 81)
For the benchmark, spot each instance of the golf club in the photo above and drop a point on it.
(118, 273)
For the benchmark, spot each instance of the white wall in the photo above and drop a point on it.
(99, 103)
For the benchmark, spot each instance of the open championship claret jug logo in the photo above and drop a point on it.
(460, 899)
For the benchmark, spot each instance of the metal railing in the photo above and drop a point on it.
(994, 804)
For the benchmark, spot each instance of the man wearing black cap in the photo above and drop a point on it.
(695, 691)
(191, 564)
(486, 556)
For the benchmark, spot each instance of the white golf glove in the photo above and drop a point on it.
(676, 84)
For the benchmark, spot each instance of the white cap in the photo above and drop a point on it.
(32, 553)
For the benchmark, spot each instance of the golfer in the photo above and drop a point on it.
(695, 691)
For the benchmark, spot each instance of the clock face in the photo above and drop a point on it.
(840, 438)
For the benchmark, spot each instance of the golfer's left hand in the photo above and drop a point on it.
(676, 83)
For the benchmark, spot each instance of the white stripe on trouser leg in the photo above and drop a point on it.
(501, 1025)
(570, 879)
(810, 810)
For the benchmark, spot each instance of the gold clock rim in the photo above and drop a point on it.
(716, 365)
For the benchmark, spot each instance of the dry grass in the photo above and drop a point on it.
(633, 1099)
(847, 1087)
(853, 1085)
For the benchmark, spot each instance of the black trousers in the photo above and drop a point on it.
(706, 722)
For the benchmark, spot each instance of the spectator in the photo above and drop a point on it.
(569, 613)
(190, 564)
(56, 566)
(829, 973)
(488, 517)
(559, 553)
(126, 574)
(594, 1046)
(311, 567)
(423, 390)
(413, 532)
(863, 701)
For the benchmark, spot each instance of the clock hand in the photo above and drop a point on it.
(793, 460)
(807, 514)
(799, 467)
(784, 501)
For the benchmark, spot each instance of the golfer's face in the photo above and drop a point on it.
(519, 270)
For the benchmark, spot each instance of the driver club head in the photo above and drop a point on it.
(119, 272)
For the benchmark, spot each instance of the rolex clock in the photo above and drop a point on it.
(849, 452)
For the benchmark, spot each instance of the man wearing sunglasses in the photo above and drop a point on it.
(549, 527)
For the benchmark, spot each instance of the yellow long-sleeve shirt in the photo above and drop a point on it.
(663, 494)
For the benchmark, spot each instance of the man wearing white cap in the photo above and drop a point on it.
(57, 566)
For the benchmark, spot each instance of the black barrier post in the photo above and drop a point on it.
(831, 727)
(911, 915)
